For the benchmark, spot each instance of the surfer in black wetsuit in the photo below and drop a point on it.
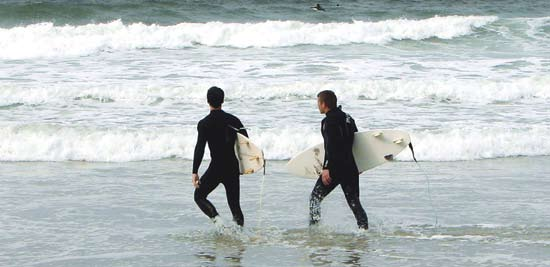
(218, 129)
(339, 167)
(317, 7)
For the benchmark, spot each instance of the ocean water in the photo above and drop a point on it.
(99, 102)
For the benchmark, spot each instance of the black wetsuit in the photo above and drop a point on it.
(338, 129)
(219, 130)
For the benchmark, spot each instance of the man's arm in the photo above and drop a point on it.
(199, 148)
(325, 161)
(331, 136)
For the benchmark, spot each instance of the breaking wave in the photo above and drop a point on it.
(451, 90)
(40, 142)
(49, 40)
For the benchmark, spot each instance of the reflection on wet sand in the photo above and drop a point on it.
(330, 248)
(323, 247)
(221, 250)
(332, 252)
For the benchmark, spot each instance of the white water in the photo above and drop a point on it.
(49, 40)
(61, 143)
(481, 91)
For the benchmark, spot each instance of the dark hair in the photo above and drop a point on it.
(328, 97)
(215, 96)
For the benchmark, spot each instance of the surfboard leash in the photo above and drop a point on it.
(236, 129)
(428, 185)
(412, 151)
(260, 209)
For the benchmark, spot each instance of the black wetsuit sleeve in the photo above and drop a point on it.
(330, 138)
(325, 162)
(199, 148)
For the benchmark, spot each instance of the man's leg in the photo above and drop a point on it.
(320, 191)
(351, 191)
(208, 183)
(232, 190)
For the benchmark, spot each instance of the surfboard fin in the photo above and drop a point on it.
(398, 141)
(389, 157)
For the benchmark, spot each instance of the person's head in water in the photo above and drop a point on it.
(326, 101)
(215, 97)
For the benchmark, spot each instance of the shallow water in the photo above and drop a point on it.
(489, 212)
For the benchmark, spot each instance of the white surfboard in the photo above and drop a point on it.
(250, 156)
(370, 149)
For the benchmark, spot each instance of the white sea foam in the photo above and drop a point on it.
(60, 143)
(536, 28)
(453, 90)
(49, 40)
(480, 143)
(38, 142)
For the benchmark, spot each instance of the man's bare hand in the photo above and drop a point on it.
(325, 177)
(196, 181)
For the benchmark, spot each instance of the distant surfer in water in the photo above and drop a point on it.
(317, 7)
(219, 130)
(339, 168)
